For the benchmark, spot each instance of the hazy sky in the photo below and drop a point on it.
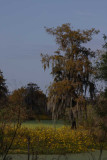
(23, 37)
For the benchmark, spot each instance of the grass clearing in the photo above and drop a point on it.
(43, 123)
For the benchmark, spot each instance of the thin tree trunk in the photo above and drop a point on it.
(28, 148)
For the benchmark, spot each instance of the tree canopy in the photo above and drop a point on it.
(71, 68)
(35, 99)
(30, 98)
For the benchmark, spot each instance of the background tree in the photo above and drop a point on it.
(31, 99)
(3, 90)
(100, 105)
(102, 66)
(35, 99)
(17, 100)
(72, 70)
(102, 75)
(17, 96)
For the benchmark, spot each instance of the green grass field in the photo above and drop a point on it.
(43, 123)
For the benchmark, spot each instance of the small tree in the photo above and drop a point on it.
(11, 114)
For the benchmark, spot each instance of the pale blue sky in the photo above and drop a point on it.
(23, 37)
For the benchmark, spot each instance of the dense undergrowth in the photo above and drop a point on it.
(44, 140)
